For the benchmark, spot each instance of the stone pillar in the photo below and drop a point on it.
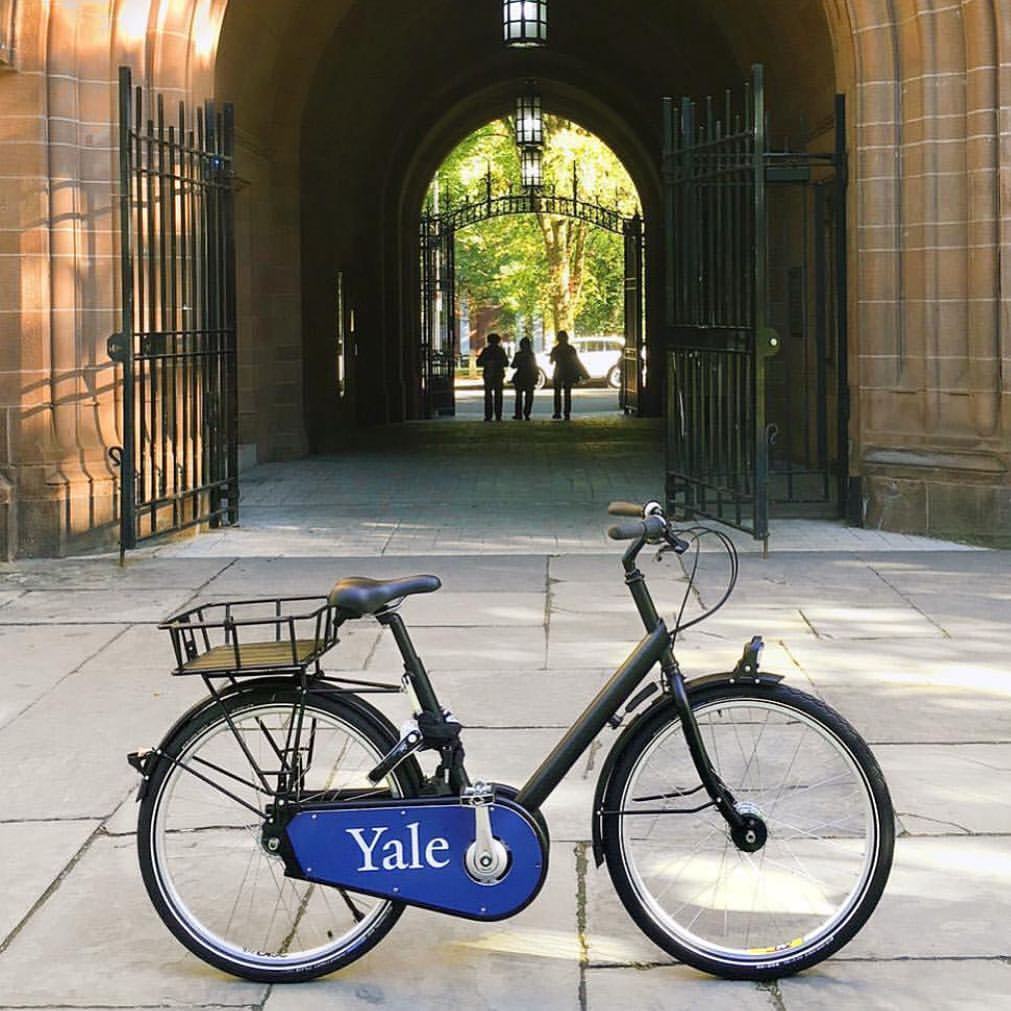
(927, 433)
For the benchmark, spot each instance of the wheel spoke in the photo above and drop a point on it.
(355, 911)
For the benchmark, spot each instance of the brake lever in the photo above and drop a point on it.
(673, 543)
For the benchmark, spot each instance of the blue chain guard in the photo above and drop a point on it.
(413, 851)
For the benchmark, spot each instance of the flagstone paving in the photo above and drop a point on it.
(908, 639)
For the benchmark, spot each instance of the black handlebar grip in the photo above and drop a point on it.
(627, 531)
(624, 509)
(656, 527)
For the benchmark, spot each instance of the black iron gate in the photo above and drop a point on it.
(631, 363)
(755, 292)
(179, 458)
(438, 345)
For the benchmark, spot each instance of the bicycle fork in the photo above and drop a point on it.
(746, 829)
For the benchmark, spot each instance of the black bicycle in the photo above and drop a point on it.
(285, 822)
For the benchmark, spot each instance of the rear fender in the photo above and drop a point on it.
(147, 764)
(664, 702)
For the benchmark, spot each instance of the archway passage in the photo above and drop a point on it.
(370, 137)
(372, 353)
(338, 158)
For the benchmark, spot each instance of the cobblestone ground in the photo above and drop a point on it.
(907, 638)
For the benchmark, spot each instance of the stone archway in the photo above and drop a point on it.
(568, 103)
(930, 158)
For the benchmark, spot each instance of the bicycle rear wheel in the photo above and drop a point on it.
(209, 869)
(795, 900)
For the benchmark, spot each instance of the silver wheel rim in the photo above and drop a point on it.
(794, 894)
(228, 893)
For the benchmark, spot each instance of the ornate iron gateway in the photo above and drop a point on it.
(179, 458)
(757, 391)
(438, 345)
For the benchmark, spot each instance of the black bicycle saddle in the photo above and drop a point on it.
(358, 595)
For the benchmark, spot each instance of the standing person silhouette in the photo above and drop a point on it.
(493, 361)
(569, 370)
(525, 379)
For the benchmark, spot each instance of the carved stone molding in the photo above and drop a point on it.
(979, 463)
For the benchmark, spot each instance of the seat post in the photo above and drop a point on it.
(413, 666)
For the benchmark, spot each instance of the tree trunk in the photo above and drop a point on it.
(565, 248)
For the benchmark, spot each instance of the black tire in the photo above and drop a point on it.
(614, 377)
(797, 918)
(202, 857)
(541, 381)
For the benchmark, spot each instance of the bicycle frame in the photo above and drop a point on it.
(591, 721)
(655, 647)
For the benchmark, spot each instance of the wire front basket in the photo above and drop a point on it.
(253, 636)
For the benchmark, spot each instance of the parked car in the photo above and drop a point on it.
(601, 356)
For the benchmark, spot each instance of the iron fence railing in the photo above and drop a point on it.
(177, 345)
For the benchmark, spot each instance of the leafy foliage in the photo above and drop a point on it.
(562, 270)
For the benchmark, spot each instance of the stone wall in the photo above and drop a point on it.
(930, 336)
(59, 257)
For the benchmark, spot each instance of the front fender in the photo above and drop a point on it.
(692, 687)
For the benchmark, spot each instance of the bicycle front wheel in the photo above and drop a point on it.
(806, 773)
(208, 866)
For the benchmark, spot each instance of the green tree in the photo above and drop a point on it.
(562, 269)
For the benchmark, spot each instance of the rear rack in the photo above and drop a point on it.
(253, 636)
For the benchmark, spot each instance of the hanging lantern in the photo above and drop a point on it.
(531, 170)
(525, 22)
(529, 121)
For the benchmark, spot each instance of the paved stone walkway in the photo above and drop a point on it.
(911, 644)
(460, 486)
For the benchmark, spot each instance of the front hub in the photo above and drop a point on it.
(751, 834)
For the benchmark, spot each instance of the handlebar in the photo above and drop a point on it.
(624, 509)
(650, 526)
(652, 529)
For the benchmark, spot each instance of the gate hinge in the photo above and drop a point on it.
(118, 347)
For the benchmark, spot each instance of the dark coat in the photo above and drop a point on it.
(569, 370)
(494, 361)
(525, 365)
